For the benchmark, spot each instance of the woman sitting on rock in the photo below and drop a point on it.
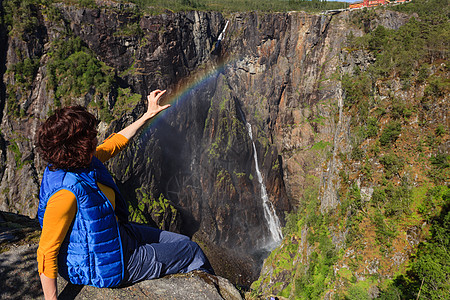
(86, 236)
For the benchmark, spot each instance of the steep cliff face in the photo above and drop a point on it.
(193, 169)
(374, 170)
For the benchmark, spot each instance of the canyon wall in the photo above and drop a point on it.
(193, 170)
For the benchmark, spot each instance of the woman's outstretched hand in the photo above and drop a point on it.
(153, 108)
(153, 103)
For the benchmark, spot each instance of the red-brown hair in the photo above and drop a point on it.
(67, 139)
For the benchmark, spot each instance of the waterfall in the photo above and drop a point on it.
(269, 212)
(222, 34)
(220, 38)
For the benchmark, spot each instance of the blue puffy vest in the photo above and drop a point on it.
(91, 253)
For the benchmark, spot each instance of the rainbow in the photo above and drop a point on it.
(183, 89)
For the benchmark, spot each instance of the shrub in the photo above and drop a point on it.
(394, 201)
(87, 3)
(291, 226)
(378, 196)
(423, 73)
(25, 71)
(440, 130)
(430, 268)
(356, 292)
(440, 161)
(372, 127)
(397, 200)
(435, 198)
(352, 201)
(74, 70)
(355, 197)
(367, 170)
(378, 39)
(357, 153)
(391, 292)
(439, 171)
(384, 234)
(312, 283)
(21, 16)
(390, 133)
(399, 110)
(131, 29)
(13, 107)
(392, 164)
(436, 87)
(357, 88)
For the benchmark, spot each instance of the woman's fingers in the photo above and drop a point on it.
(153, 98)
(155, 95)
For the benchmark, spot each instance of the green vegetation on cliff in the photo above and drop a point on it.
(159, 6)
(148, 210)
(388, 237)
(21, 16)
(429, 270)
(73, 70)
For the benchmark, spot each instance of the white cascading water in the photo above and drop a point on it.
(269, 212)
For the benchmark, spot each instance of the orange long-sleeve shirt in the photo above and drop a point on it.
(62, 208)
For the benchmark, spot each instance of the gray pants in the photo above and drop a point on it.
(152, 253)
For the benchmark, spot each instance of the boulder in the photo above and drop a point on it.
(194, 285)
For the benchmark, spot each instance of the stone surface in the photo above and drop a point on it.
(18, 273)
(181, 286)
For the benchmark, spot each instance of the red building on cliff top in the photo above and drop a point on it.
(368, 3)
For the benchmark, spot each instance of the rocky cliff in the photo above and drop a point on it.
(283, 75)
(375, 162)
(192, 170)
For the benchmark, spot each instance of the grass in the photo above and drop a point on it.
(155, 7)
(345, 273)
(228, 6)
(321, 145)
